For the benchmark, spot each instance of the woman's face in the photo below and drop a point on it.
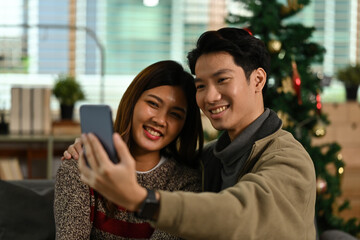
(158, 118)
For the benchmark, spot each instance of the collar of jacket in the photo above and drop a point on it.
(233, 155)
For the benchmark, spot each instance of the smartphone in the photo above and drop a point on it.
(97, 119)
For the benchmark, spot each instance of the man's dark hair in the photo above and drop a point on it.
(248, 52)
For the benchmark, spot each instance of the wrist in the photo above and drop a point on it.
(139, 197)
(149, 207)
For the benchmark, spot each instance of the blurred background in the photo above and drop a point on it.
(90, 50)
(105, 43)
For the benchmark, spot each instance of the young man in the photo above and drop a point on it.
(259, 182)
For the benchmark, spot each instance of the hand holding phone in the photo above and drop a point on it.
(97, 119)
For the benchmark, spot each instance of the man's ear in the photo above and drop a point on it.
(259, 79)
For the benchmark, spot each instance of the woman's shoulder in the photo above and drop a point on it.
(172, 176)
(68, 172)
(171, 165)
(186, 178)
(69, 165)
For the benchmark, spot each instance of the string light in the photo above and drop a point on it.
(150, 3)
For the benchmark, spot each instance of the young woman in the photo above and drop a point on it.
(160, 121)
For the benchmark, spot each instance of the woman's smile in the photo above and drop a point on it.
(152, 133)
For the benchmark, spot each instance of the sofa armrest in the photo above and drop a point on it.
(26, 209)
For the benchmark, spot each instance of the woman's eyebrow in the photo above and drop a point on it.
(161, 101)
(156, 97)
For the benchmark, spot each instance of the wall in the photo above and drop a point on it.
(345, 130)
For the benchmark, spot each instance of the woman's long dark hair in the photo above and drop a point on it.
(188, 145)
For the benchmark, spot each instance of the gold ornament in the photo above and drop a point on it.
(274, 46)
(287, 86)
(319, 129)
(321, 185)
(285, 119)
(293, 5)
(312, 113)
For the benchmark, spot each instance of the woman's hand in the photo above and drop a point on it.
(74, 150)
(116, 182)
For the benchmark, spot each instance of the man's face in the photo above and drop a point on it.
(225, 96)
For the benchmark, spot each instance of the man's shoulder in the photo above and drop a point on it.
(286, 138)
(280, 135)
(281, 142)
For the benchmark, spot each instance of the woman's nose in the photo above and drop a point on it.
(160, 119)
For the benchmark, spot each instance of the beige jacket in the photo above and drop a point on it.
(275, 200)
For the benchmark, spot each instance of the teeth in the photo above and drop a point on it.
(152, 132)
(218, 110)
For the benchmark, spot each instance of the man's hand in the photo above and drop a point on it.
(116, 182)
(74, 150)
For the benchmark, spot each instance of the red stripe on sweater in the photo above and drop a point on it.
(92, 207)
(121, 228)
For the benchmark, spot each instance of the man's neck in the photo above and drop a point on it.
(234, 133)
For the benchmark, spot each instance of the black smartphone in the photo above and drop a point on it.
(97, 119)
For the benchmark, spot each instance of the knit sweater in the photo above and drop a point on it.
(81, 213)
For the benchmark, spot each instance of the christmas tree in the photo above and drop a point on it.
(293, 91)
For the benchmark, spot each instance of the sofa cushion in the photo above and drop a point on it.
(26, 209)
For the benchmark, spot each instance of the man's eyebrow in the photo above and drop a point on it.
(215, 74)
(161, 101)
(197, 80)
(221, 71)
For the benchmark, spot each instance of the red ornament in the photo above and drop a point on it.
(248, 30)
(296, 81)
(318, 103)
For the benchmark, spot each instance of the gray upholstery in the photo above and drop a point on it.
(26, 210)
(336, 235)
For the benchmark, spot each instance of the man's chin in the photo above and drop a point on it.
(218, 127)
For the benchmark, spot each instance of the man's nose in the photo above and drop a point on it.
(212, 94)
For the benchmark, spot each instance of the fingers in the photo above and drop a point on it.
(78, 140)
(101, 156)
(71, 153)
(78, 146)
(84, 170)
(66, 155)
(89, 151)
(96, 161)
(74, 150)
(122, 150)
(95, 152)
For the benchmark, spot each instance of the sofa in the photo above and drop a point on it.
(26, 212)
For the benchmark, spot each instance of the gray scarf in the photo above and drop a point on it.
(233, 155)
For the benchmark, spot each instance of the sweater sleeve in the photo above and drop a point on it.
(72, 203)
(275, 201)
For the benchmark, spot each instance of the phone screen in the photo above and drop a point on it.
(97, 119)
